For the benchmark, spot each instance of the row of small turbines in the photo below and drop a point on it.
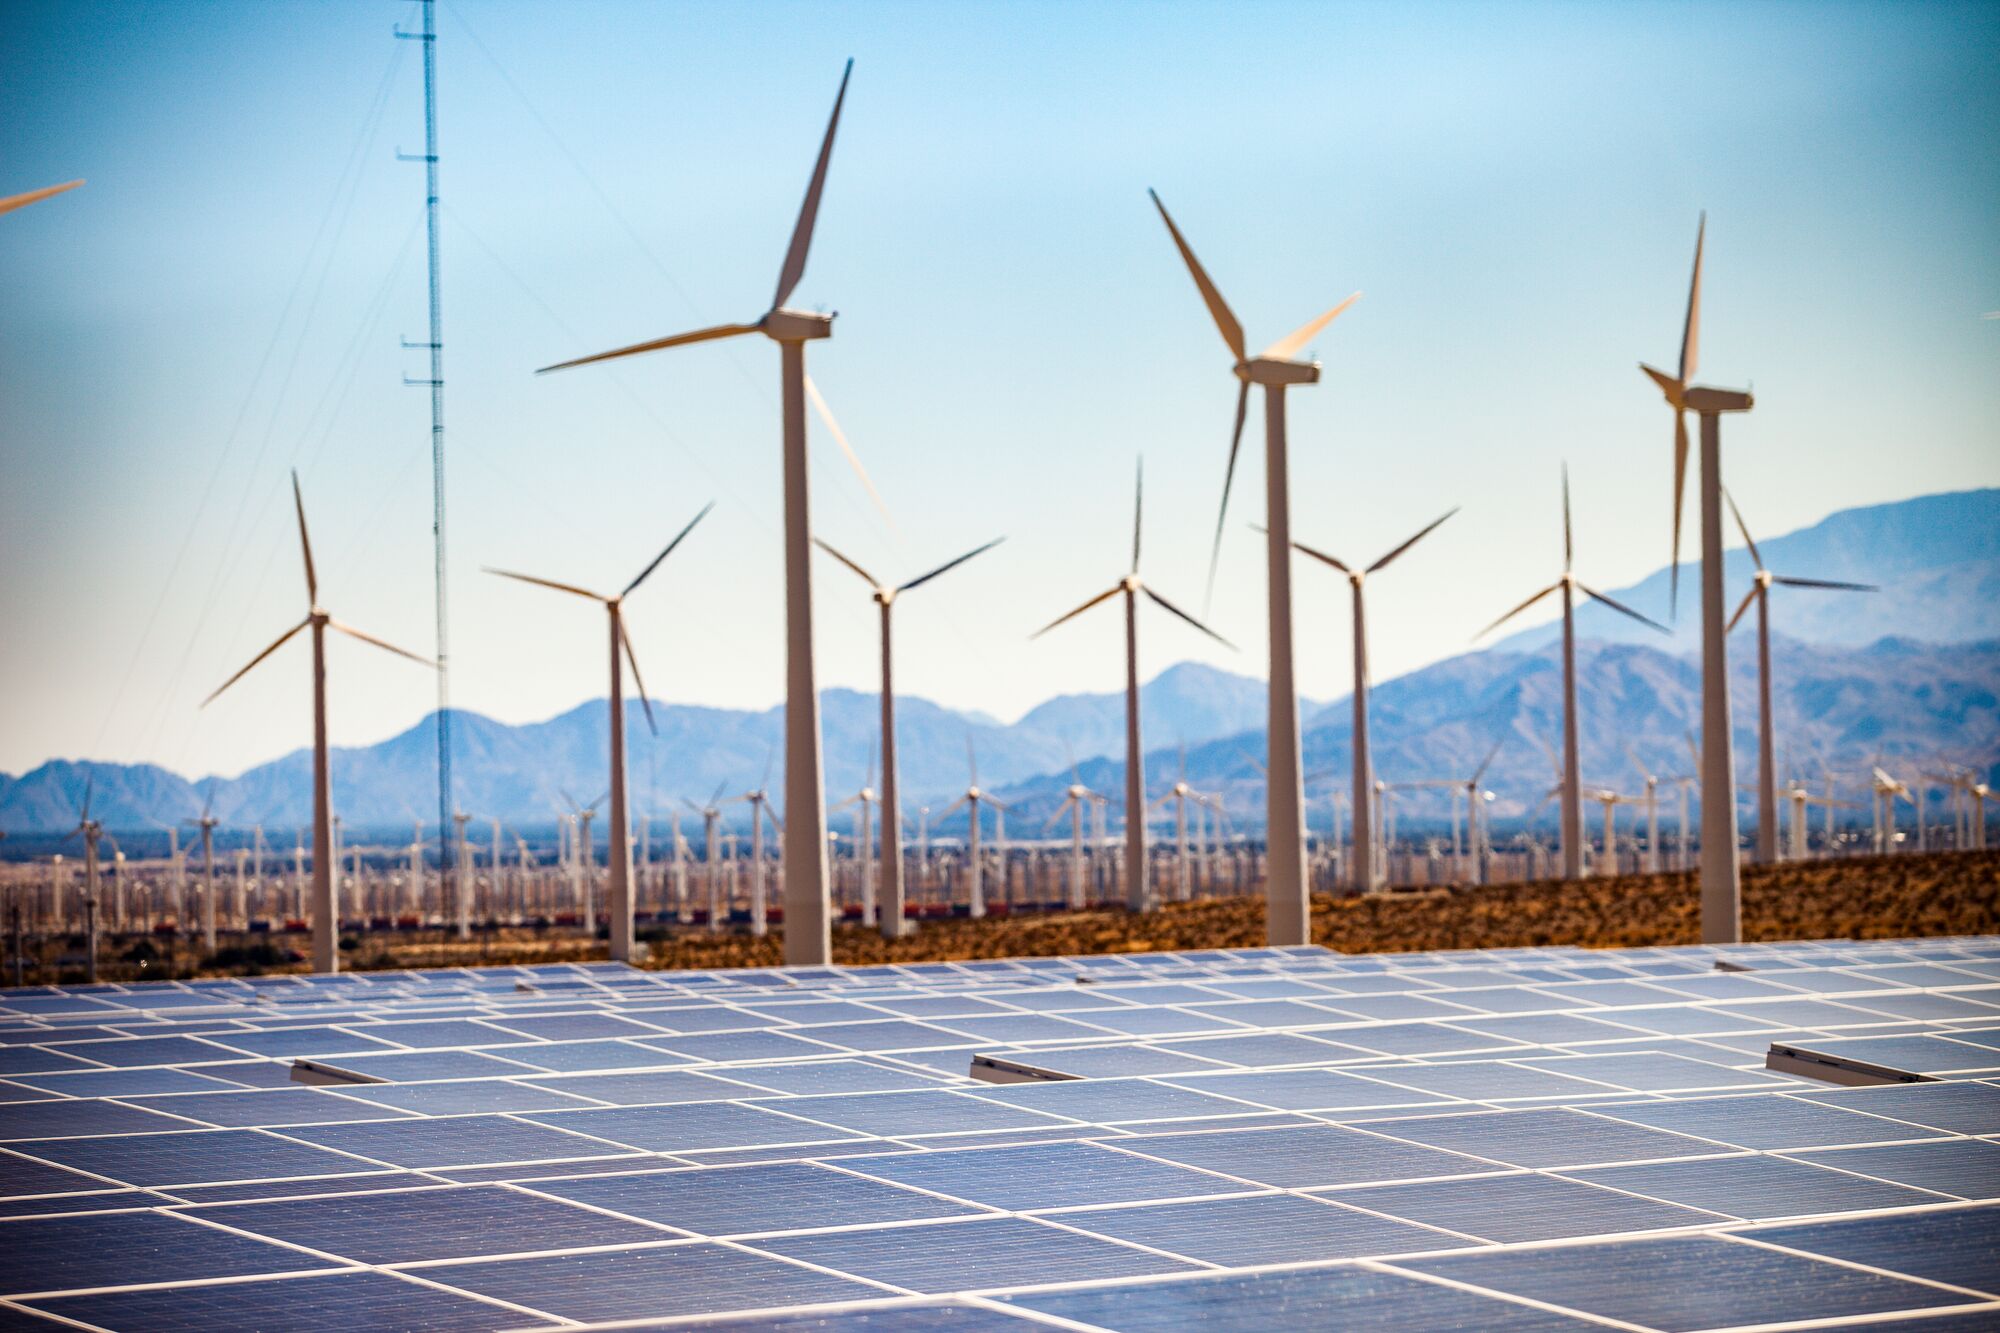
(1276, 369)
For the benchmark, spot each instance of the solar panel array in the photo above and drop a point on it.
(1242, 1139)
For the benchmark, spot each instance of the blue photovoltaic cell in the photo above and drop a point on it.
(899, 1113)
(1318, 1155)
(382, 1101)
(1542, 1137)
(302, 1187)
(119, 1082)
(1962, 1168)
(575, 1027)
(1651, 1071)
(829, 1076)
(736, 1200)
(1766, 1123)
(1310, 1090)
(1105, 1061)
(306, 1304)
(135, 1052)
(652, 1088)
(1522, 1208)
(456, 1141)
(1266, 1050)
(1757, 1187)
(462, 1222)
(288, 1042)
(189, 1157)
(107, 1249)
(1962, 1108)
(1113, 1101)
(680, 1279)
(1952, 1245)
(692, 1127)
(1052, 1175)
(414, 1066)
(21, 1176)
(1687, 1282)
(959, 1256)
(1261, 1229)
(48, 1119)
(726, 1046)
(1351, 1300)
(273, 1106)
(578, 1057)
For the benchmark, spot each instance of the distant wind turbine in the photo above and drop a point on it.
(1571, 786)
(808, 926)
(975, 797)
(1138, 886)
(1760, 593)
(1288, 916)
(1721, 877)
(621, 904)
(325, 910)
(1366, 878)
(759, 799)
(889, 895)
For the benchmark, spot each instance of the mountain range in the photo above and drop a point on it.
(1910, 674)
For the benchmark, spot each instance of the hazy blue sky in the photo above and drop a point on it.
(1514, 187)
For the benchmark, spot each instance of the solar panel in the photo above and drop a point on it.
(1532, 1138)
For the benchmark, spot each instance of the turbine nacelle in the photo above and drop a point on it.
(1710, 402)
(1276, 372)
(791, 326)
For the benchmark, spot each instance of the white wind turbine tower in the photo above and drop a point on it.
(759, 800)
(1180, 794)
(1760, 593)
(1288, 916)
(1367, 880)
(1651, 864)
(13, 202)
(621, 652)
(1138, 888)
(1474, 814)
(325, 918)
(1887, 789)
(1572, 781)
(889, 894)
(863, 802)
(1721, 877)
(207, 824)
(1075, 797)
(973, 799)
(711, 819)
(808, 938)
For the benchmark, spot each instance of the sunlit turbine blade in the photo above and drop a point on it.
(1691, 331)
(1748, 598)
(1622, 609)
(305, 542)
(13, 202)
(1680, 492)
(692, 806)
(1115, 589)
(1050, 823)
(1517, 611)
(89, 789)
(354, 633)
(1288, 346)
(1317, 554)
(1228, 480)
(657, 344)
(776, 823)
(1824, 583)
(1743, 528)
(718, 791)
(632, 660)
(1569, 542)
(1168, 606)
(1383, 563)
(870, 578)
(921, 579)
(1232, 332)
(953, 808)
(971, 759)
(633, 585)
(1138, 512)
(1487, 762)
(279, 643)
(853, 459)
(802, 231)
(545, 583)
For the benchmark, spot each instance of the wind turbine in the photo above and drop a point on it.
(1288, 915)
(863, 802)
(1572, 780)
(1138, 888)
(1364, 860)
(889, 895)
(90, 830)
(974, 798)
(1651, 864)
(1760, 593)
(325, 921)
(808, 938)
(759, 799)
(1887, 789)
(1721, 877)
(13, 202)
(207, 824)
(621, 652)
(1075, 797)
(711, 819)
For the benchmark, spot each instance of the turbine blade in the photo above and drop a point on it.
(1175, 610)
(1691, 331)
(849, 563)
(953, 808)
(802, 231)
(1383, 563)
(1748, 598)
(1115, 589)
(1487, 762)
(1228, 480)
(1824, 583)
(1569, 541)
(644, 573)
(971, 759)
(354, 633)
(1138, 511)
(1680, 492)
(921, 579)
(1316, 554)
(1516, 611)
(632, 660)
(853, 459)
(305, 542)
(546, 583)
(1288, 346)
(13, 202)
(657, 344)
(1743, 528)
(718, 791)
(1225, 322)
(1621, 608)
(275, 646)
